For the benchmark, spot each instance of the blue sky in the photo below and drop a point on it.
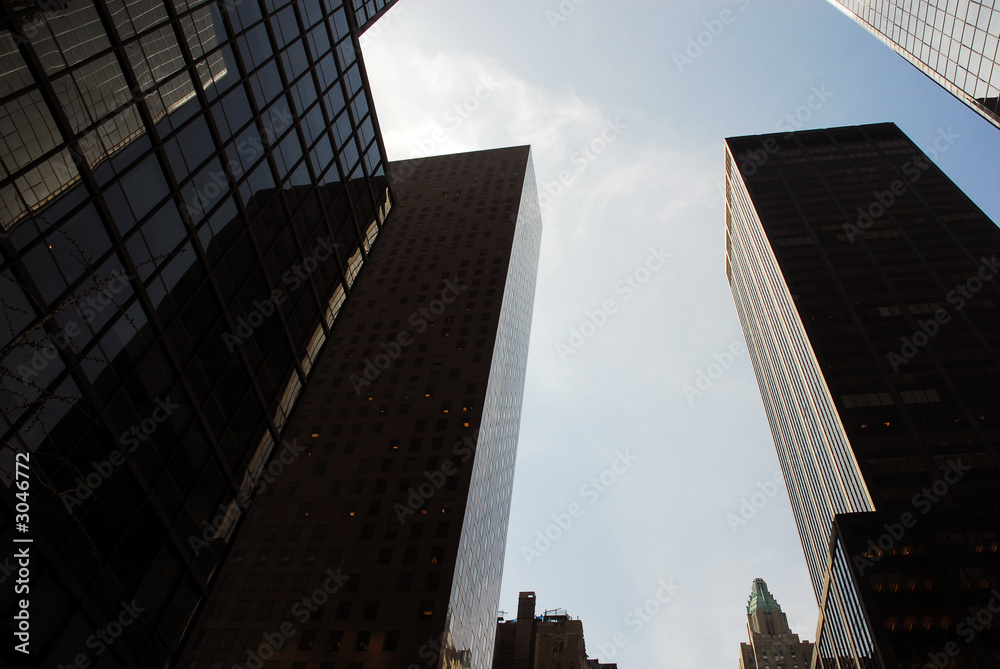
(626, 120)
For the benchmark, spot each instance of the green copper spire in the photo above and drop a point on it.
(761, 599)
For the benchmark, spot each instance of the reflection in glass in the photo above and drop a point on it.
(95, 97)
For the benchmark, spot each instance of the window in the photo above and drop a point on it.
(308, 639)
(391, 641)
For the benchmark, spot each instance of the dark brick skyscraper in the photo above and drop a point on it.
(868, 288)
(381, 543)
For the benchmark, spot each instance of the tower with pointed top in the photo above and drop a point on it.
(772, 645)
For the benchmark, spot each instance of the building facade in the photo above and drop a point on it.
(188, 191)
(953, 43)
(380, 542)
(597, 664)
(549, 641)
(772, 645)
(864, 282)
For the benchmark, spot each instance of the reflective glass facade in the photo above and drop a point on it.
(954, 42)
(398, 492)
(188, 191)
(864, 281)
(476, 589)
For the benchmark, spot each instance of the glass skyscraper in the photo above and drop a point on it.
(188, 191)
(867, 287)
(954, 42)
